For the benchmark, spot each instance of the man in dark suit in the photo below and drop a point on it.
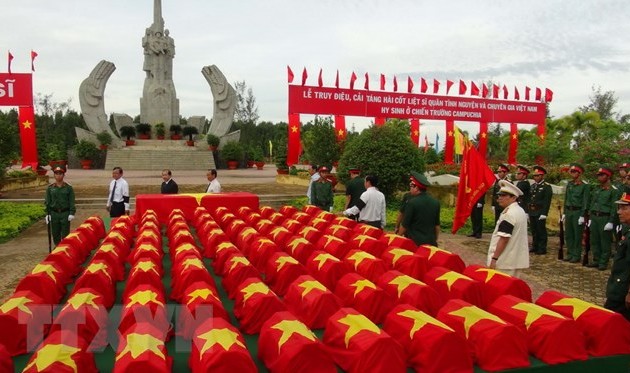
(169, 186)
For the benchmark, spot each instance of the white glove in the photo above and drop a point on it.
(581, 220)
(493, 209)
(330, 209)
(608, 227)
(588, 223)
(47, 219)
(479, 205)
(70, 217)
(618, 228)
(562, 218)
(542, 217)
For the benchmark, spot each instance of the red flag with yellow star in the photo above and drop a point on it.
(292, 225)
(219, 347)
(86, 315)
(299, 248)
(495, 283)
(366, 243)
(145, 304)
(454, 285)
(311, 301)
(142, 348)
(287, 345)
(495, 344)
(607, 333)
(200, 303)
(261, 250)
(293, 143)
(358, 345)
(406, 289)
(340, 127)
(282, 269)
(430, 345)
(23, 320)
(255, 303)
(441, 258)
(6, 363)
(62, 351)
(394, 240)
(326, 268)
(28, 138)
(363, 295)
(513, 146)
(339, 231)
(406, 262)
(551, 337)
(365, 264)
(237, 270)
(98, 275)
(415, 130)
(333, 245)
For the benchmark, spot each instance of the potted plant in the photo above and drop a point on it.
(249, 156)
(232, 152)
(56, 155)
(175, 132)
(128, 132)
(160, 131)
(86, 151)
(213, 141)
(104, 139)
(190, 131)
(281, 157)
(143, 130)
(257, 156)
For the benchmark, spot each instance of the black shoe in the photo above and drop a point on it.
(602, 268)
(471, 235)
(566, 260)
(592, 265)
(478, 236)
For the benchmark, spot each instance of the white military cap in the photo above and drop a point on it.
(507, 187)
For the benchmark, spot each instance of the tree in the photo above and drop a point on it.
(246, 109)
(386, 152)
(320, 142)
(602, 103)
(8, 139)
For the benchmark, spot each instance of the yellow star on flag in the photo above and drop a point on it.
(225, 338)
(254, 288)
(434, 249)
(82, 299)
(357, 323)
(263, 241)
(514, 136)
(360, 256)
(579, 306)
(248, 232)
(390, 237)
(145, 266)
(182, 233)
(197, 196)
(483, 135)
(98, 267)
(304, 231)
(362, 284)
(193, 262)
(399, 253)
(108, 248)
(200, 294)
(236, 260)
(416, 133)
(184, 248)
(318, 220)
(62, 249)
(75, 235)
(420, 319)
(451, 277)
(362, 238)
(449, 133)
(281, 261)
(365, 228)
(323, 258)
(148, 247)
(137, 344)
(224, 245)
(48, 269)
(335, 228)
(403, 282)
(49, 354)
(472, 315)
(490, 273)
(276, 232)
(542, 136)
(534, 312)
(17, 302)
(340, 133)
(290, 223)
(148, 234)
(311, 285)
(26, 124)
(296, 242)
(290, 327)
(329, 239)
(215, 231)
(294, 129)
(144, 297)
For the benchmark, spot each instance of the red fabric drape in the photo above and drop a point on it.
(548, 95)
(340, 127)
(449, 84)
(423, 85)
(527, 89)
(436, 85)
(538, 94)
(462, 87)
(353, 79)
(513, 144)
(415, 131)
(304, 76)
(495, 91)
(409, 84)
(450, 142)
(382, 82)
(517, 96)
(27, 136)
(290, 75)
(505, 92)
(484, 90)
(395, 84)
(379, 121)
(474, 90)
(293, 145)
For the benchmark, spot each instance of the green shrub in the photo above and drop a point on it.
(104, 138)
(190, 131)
(86, 150)
(128, 132)
(15, 217)
(213, 140)
(143, 128)
(160, 130)
(232, 151)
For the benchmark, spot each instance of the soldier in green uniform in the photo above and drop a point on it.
(421, 217)
(538, 209)
(60, 207)
(522, 173)
(618, 287)
(354, 188)
(502, 172)
(602, 217)
(576, 198)
(321, 191)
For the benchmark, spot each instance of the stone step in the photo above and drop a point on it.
(158, 158)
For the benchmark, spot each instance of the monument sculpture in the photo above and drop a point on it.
(91, 97)
(224, 100)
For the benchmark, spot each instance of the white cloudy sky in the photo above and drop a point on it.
(568, 46)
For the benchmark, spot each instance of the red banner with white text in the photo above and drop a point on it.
(16, 89)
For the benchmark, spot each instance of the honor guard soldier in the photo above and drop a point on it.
(502, 172)
(321, 191)
(522, 173)
(538, 209)
(576, 198)
(421, 217)
(60, 208)
(602, 211)
(354, 188)
(618, 287)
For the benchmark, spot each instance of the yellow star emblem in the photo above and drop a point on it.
(254, 288)
(420, 319)
(330, 239)
(290, 327)
(82, 299)
(225, 338)
(149, 234)
(248, 232)
(49, 354)
(362, 284)
(17, 302)
(147, 247)
(281, 261)
(356, 324)
(311, 285)
(359, 256)
(108, 248)
(490, 273)
(399, 253)
(416, 133)
(434, 249)
(295, 243)
(451, 277)
(75, 235)
(145, 266)
(534, 312)
(340, 133)
(200, 294)
(472, 315)
(48, 269)
(26, 124)
(144, 297)
(193, 262)
(362, 238)
(182, 233)
(236, 260)
(306, 230)
(277, 231)
(137, 344)
(197, 196)
(294, 129)
(98, 267)
(323, 258)
(63, 248)
(224, 245)
(449, 133)
(579, 306)
(403, 282)
(483, 135)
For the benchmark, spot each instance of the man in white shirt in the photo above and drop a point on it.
(118, 198)
(214, 186)
(371, 205)
(312, 170)
(508, 250)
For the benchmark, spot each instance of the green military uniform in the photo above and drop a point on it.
(420, 216)
(538, 206)
(59, 205)
(354, 188)
(602, 210)
(322, 194)
(525, 187)
(576, 199)
(619, 279)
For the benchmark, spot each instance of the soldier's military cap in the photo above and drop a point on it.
(502, 167)
(576, 167)
(61, 169)
(539, 170)
(522, 169)
(419, 180)
(509, 188)
(624, 200)
(604, 171)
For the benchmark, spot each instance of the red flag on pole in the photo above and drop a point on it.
(33, 56)
(527, 89)
(28, 136)
(517, 96)
(449, 144)
(353, 78)
(293, 143)
(290, 75)
(474, 90)
(340, 127)
(513, 144)
(475, 178)
(382, 82)
(462, 87)
(304, 76)
(495, 91)
(395, 84)
(484, 90)
(436, 85)
(423, 85)
(337, 80)
(415, 131)
(9, 58)
(409, 84)
(320, 80)
(366, 86)
(538, 94)
(548, 95)
(482, 146)
(505, 92)
(449, 84)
